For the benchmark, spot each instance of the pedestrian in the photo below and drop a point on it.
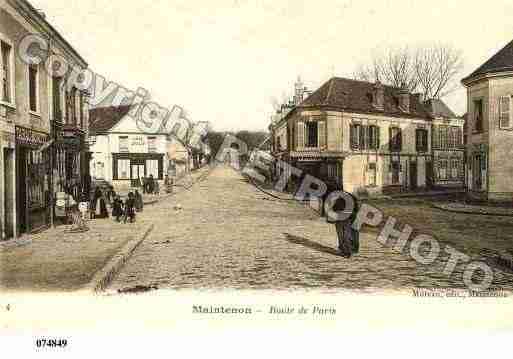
(130, 208)
(117, 208)
(139, 203)
(150, 185)
(156, 187)
(98, 205)
(341, 210)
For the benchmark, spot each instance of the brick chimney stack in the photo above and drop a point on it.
(378, 97)
(404, 100)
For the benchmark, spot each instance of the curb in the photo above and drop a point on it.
(446, 209)
(104, 276)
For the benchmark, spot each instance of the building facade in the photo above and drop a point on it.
(121, 154)
(43, 125)
(448, 147)
(490, 128)
(358, 136)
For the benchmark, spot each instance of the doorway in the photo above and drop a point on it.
(413, 175)
(8, 193)
(21, 191)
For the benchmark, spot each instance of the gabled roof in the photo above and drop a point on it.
(353, 95)
(438, 108)
(103, 119)
(500, 62)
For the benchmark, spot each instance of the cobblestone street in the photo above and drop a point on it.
(228, 234)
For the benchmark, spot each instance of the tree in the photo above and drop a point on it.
(431, 70)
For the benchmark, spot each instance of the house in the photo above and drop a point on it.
(43, 124)
(121, 152)
(448, 147)
(366, 138)
(490, 128)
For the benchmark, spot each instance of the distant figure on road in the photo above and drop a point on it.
(117, 208)
(98, 205)
(139, 203)
(341, 209)
(150, 185)
(130, 208)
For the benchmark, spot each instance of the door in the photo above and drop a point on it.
(429, 174)
(9, 193)
(21, 190)
(477, 174)
(413, 175)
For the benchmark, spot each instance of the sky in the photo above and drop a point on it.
(225, 61)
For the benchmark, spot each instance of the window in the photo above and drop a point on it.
(371, 174)
(278, 143)
(395, 139)
(505, 112)
(395, 168)
(123, 144)
(33, 88)
(443, 133)
(478, 116)
(455, 168)
(152, 144)
(123, 169)
(56, 95)
(421, 137)
(312, 134)
(81, 110)
(443, 170)
(355, 136)
(373, 137)
(6, 72)
(152, 168)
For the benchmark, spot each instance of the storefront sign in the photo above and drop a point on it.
(29, 137)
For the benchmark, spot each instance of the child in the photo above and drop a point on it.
(130, 208)
(117, 208)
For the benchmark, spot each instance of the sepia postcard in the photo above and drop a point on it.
(208, 177)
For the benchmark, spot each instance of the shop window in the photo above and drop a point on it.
(443, 170)
(123, 169)
(152, 168)
(455, 168)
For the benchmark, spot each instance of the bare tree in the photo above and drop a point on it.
(394, 67)
(437, 68)
(431, 70)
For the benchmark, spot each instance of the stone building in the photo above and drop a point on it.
(43, 125)
(448, 147)
(121, 152)
(363, 137)
(490, 128)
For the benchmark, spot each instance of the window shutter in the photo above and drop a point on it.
(353, 139)
(301, 135)
(390, 139)
(114, 169)
(322, 134)
(505, 112)
(362, 135)
(378, 141)
(400, 139)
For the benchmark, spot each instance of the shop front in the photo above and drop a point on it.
(70, 167)
(129, 168)
(33, 186)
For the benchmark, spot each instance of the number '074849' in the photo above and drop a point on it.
(51, 343)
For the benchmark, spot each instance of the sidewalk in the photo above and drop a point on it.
(475, 209)
(58, 261)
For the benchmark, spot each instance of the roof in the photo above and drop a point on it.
(438, 108)
(353, 95)
(103, 119)
(500, 62)
(37, 15)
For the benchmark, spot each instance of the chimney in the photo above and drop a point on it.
(378, 97)
(42, 13)
(404, 100)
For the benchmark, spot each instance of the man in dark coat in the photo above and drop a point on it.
(341, 209)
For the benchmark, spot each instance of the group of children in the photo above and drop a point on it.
(126, 211)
